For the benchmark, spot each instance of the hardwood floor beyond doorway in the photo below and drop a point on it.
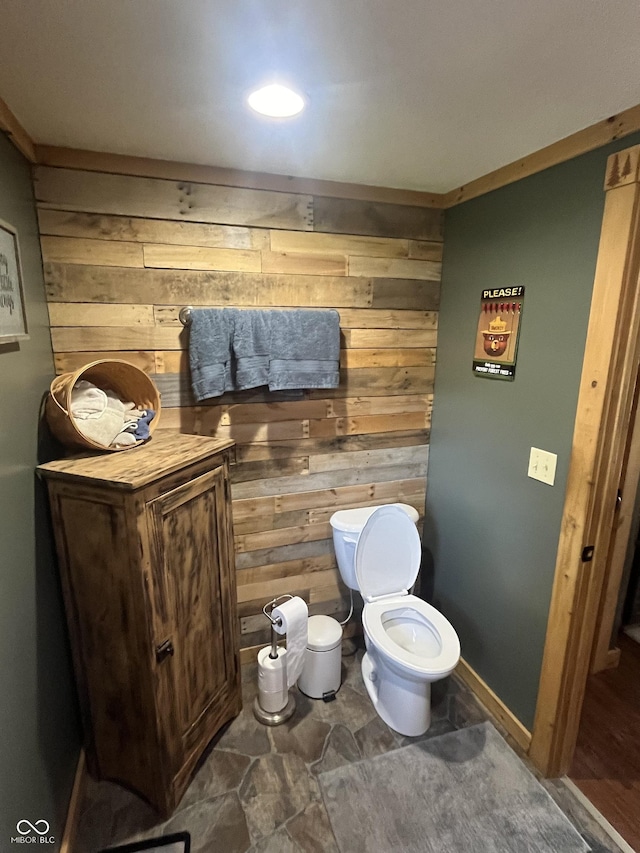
(606, 765)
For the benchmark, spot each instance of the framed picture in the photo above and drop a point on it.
(13, 320)
(497, 333)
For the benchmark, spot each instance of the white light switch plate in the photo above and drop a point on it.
(542, 465)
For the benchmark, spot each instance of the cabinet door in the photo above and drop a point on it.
(195, 602)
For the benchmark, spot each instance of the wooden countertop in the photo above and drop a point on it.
(139, 466)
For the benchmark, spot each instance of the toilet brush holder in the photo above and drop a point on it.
(274, 704)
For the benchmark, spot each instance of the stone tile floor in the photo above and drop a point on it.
(256, 789)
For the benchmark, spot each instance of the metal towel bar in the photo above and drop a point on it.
(184, 315)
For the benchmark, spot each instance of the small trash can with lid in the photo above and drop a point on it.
(321, 674)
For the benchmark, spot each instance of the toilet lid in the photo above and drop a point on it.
(387, 554)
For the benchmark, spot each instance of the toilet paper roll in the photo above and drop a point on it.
(273, 693)
(294, 616)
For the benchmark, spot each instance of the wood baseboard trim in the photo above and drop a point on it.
(494, 704)
(68, 843)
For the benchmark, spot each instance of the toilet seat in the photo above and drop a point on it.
(387, 557)
(409, 607)
(387, 561)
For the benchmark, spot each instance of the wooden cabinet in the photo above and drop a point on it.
(145, 547)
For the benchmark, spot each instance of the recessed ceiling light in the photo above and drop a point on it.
(276, 101)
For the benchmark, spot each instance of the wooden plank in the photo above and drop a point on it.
(368, 458)
(284, 536)
(10, 125)
(89, 314)
(146, 167)
(372, 338)
(401, 293)
(383, 381)
(279, 449)
(239, 413)
(422, 250)
(366, 381)
(64, 223)
(326, 593)
(73, 250)
(327, 480)
(351, 406)
(368, 424)
(286, 569)
(205, 420)
(392, 490)
(97, 192)
(588, 139)
(412, 357)
(369, 318)
(173, 257)
(275, 521)
(81, 338)
(66, 362)
(176, 391)
(311, 242)
(168, 361)
(350, 318)
(295, 263)
(279, 586)
(395, 268)
(76, 283)
(263, 468)
(282, 553)
(344, 216)
(319, 516)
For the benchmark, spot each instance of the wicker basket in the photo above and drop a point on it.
(130, 384)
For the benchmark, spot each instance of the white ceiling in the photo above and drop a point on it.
(420, 94)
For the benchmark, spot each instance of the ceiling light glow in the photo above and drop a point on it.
(276, 101)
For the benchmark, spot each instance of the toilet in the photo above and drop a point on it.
(408, 642)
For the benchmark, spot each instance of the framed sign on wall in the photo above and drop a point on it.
(496, 345)
(13, 320)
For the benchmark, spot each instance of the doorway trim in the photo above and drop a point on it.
(602, 423)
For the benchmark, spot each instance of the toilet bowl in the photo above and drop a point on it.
(409, 644)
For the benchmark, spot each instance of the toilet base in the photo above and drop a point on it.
(403, 704)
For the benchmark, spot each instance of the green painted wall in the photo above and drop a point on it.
(39, 740)
(492, 531)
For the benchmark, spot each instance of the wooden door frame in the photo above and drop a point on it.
(602, 656)
(600, 434)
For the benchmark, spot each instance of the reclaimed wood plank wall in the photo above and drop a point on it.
(123, 254)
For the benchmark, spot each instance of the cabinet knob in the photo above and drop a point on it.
(164, 650)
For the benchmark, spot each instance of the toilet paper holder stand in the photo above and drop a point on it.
(274, 718)
(273, 654)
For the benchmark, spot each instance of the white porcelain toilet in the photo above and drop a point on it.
(409, 643)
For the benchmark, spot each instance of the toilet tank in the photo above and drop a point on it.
(347, 525)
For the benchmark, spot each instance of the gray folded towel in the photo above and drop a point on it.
(305, 349)
(210, 352)
(251, 344)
